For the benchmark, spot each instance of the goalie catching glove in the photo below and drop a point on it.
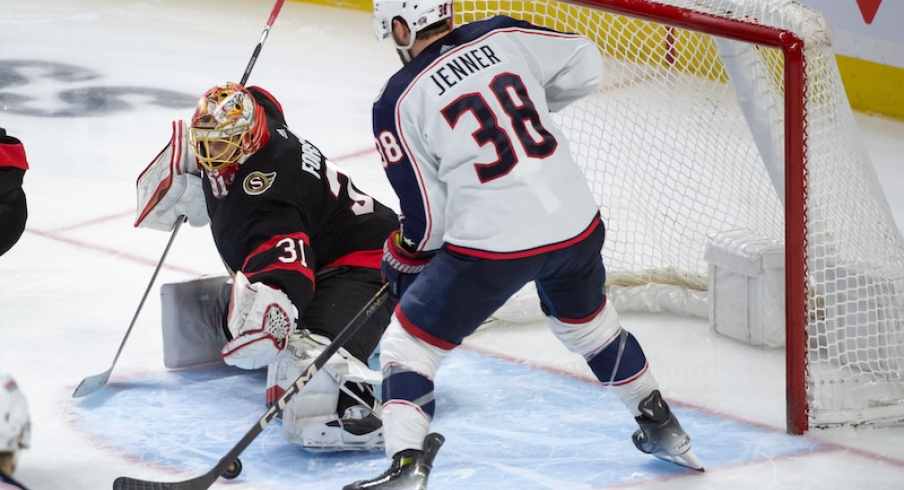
(312, 417)
(400, 267)
(259, 322)
(170, 186)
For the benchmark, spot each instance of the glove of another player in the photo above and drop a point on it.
(400, 267)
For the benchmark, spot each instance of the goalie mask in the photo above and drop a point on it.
(15, 423)
(418, 15)
(226, 129)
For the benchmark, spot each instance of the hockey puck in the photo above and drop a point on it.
(234, 470)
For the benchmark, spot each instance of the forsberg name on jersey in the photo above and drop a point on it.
(462, 66)
(310, 158)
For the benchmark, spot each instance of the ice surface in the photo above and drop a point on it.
(91, 88)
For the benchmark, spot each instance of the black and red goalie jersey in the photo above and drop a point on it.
(291, 215)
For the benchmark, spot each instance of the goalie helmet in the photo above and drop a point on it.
(15, 423)
(227, 128)
(417, 14)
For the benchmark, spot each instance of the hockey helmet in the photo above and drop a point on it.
(15, 423)
(417, 14)
(227, 128)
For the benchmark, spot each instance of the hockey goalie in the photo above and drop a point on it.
(303, 246)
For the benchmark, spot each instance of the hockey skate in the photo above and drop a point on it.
(409, 470)
(661, 435)
(358, 429)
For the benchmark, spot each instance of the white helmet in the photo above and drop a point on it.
(15, 424)
(418, 14)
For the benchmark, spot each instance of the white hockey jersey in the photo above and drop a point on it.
(470, 148)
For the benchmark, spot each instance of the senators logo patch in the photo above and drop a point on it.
(256, 183)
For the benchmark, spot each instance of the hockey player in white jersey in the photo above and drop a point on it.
(491, 200)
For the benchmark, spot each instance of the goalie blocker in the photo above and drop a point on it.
(336, 411)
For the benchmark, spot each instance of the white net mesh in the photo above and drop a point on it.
(680, 143)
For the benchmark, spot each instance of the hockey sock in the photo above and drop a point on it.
(402, 385)
(619, 361)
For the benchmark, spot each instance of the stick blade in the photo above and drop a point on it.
(200, 483)
(126, 483)
(91, 384)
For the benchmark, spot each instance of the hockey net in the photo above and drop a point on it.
(719, 115)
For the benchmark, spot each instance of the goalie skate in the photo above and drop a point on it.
(661, 435)
(358, 429)
(409, 469)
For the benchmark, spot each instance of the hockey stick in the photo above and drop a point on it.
(93, 383)
(206, 480)
(260, 43)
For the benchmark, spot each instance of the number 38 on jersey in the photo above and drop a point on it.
(524, 126)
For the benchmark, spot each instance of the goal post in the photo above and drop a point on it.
(722, 115)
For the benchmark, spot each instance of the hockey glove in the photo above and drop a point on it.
(260, 320)
(170, 186)
(400, 267)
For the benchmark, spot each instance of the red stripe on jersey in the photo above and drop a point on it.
(586, 318)
(13, 156)
(291, 255)
(368, 259)
(417, 332)
(295, 266)
(484, 254)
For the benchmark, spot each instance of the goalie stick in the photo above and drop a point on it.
(93, 383)
(206, 480)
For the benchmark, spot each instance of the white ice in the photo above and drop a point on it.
(71, 286)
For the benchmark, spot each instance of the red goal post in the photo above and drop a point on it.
(730, 114)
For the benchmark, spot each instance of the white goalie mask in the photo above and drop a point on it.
(418, 14)
(15, 423)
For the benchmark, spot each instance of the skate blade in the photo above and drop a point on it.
(339, 448)
(687, 459)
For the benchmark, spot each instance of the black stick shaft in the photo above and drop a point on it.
(260, 44)
(205, 481)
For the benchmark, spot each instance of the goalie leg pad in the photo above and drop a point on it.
(193, 314)
(311, 418)
(260, 320)
(359, 429)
